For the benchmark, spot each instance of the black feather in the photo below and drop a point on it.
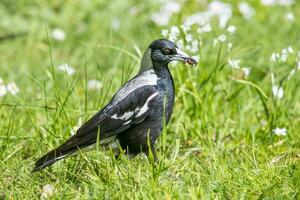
(72, 145)
(101, 123)
(138, 129)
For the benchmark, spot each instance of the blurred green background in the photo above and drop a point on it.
(234, 133)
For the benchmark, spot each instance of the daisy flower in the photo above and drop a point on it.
(280, 131)
(58, 34)
(66, 68)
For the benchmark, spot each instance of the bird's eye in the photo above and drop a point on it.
(167, 51)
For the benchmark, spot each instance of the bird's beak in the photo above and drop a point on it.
(181, 56)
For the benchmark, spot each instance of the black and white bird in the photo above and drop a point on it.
(134, 116)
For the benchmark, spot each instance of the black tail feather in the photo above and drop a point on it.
(50, 158)
(69, 147)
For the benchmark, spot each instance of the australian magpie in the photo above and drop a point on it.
(134, 116)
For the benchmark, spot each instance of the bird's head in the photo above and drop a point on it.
(163, 51)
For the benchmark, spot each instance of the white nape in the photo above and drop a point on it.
(146, 78)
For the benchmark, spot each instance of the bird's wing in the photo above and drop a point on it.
(121, 113)
(127, 108)
(117, 116)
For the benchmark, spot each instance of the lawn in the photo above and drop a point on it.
(234, 133)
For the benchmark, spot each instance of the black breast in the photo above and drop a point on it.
(166, 87)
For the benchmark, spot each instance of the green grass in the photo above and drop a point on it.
(219, 143)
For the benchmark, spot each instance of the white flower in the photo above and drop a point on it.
(174, 33)
(278, 2)
(274, 57)
(268, 2)
(185, 28)
(217, 9)
(246, 10)
(173, 7)
(290, 49)
(246, 71)
(164, 32)
(180, 44)
(290, 16)
(174, 30)
(278, 92)
(206, 28)
(234, 64)
(221, 38)
(115, 24)
(280, 131)
(47, 191)
(67, 68)
(163, 16)
(12, 88)
(221, 10)
(200, 18)
(94, 84)
(285, 2)
(189, 37)
(193, 46)
(58, 34)
(160, 18)
(284, 56)
(3, 90)
(231, 29)
(298, 65)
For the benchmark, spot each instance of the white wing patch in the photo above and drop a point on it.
(125, 123)
(145, 107)
(146, 78)
(139, 111)
(124, 117)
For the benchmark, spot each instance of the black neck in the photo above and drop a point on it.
(161, 69)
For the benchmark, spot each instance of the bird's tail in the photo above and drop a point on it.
(69, 147)
(49, 159)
